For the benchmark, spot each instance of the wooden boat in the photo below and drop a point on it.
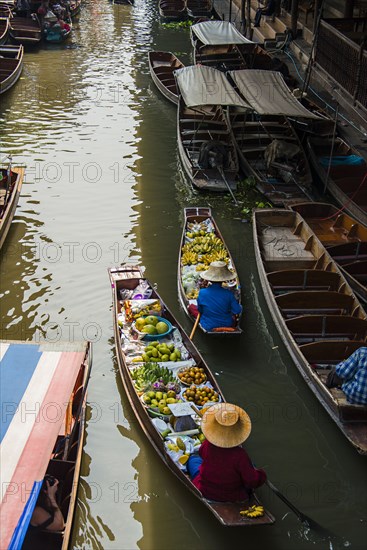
(55, 34)
(344, 238)
(4, 29)
(323, 126)
(11, 66)
(281, 178)
(124, 281)
(172, 10)
(26, 30)
(74, 7)
(197, 9)
(200, 219)
(315, 311)
(46, 374)
(10, 187)
(345, 181)
(220, 45)
(161, 66)
(198, 127)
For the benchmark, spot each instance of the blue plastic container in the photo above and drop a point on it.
(153, 337)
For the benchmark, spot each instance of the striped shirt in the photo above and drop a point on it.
(354, 373)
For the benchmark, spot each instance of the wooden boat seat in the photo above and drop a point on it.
(311, 302)
(301, 279)
(315, 327)
(201, 131)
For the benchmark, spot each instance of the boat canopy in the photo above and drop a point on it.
(215, 33)
(36, 384)
(201, 85)
(268, 94)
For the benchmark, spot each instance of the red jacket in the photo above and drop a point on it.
(226, 475)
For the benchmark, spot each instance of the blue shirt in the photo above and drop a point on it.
(217, 305)
(354, 371)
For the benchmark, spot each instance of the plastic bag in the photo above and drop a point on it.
(142, 291)
(139, 308)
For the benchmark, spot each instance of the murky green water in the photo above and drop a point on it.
(103, 187)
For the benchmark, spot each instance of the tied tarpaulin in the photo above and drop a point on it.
(342, 160)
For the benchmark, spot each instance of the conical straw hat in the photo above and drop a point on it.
(226, 425)
(218, 272)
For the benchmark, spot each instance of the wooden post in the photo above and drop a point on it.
(243, 17)
(230, 11)
(348, 8)
(294, 17)
(318, 6)
(248, 18)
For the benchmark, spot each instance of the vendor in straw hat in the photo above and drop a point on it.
(223, 470)
(217, 305)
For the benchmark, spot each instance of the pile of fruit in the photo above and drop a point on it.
(200, 395)
(151, 374)
(151, 325)
(192, 375)
(203, 250)
(138, 308)
(160, 400)
(156, 352)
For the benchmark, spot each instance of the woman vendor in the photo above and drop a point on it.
(223, 470)
(217, 305)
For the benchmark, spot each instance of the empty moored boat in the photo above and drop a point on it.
(11, 66)
(343, 172)
(11, 180)
(161, 66)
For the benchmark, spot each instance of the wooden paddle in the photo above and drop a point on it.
(308, 522)
(195, 325)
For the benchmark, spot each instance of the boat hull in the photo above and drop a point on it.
(11, 203)
(303, 286)
(226, 513)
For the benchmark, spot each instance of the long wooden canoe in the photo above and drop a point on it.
(161, 66)
(10, 187)
(199, 225)
(52, 378)
(198, 9)
(315, 311)
(123, 281)
(345, 181)
(270, 151)
(344, 238)
(172, 10)
(197, 129)
(26, 30)
(4, 29)
(11, 66)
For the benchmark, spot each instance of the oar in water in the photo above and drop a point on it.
(308, 522)
(221, 171)
(194, 327)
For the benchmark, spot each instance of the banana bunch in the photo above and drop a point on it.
(193, 294)
(253, 512)
(189, 258)
(201, 267)
(215, 256)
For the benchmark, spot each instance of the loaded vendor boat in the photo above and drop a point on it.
(44, 386)
(166, 381)
(201, 244)
(315, 311)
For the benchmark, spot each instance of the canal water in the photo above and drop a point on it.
(103, 187)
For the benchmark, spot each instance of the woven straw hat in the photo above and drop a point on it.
(217, 272)
(226, 425)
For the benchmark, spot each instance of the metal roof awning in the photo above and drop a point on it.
(201, 85)
(214, 33)
(36, 384)
(268, 94)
